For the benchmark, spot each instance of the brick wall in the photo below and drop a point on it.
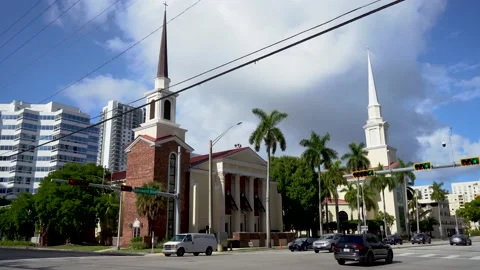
(145, 164)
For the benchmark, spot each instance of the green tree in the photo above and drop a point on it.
(357, 159)
(107, 206)
(23, 215)
(270, 135)
(350, 197)
(68, 213)
(389, 219)
(317, 153)
(380, 183)
(438, 195)
(151, 207)
(471, 210)
(7, 225)
(296, 184)
(406, 179)
(333, 179)
(4, 201)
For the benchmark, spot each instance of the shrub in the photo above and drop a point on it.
(8, 243)
(474, 232)
(137, 243)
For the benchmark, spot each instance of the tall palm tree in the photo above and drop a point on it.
(380, 183)
(317, 154)
(357, 159)
(270, 135)
(438, 195)
(405, 179)
(334, 179)
(149, 206)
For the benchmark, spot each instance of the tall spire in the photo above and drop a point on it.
(372, 91)
(162, 70)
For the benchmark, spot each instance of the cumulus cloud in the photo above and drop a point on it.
(321, 84)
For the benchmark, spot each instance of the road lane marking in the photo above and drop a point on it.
(426, 255)
(404, 254)
(475, 258)
(451, 257)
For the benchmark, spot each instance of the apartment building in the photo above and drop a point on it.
(464, 192)
(24, 126)
(117, 134)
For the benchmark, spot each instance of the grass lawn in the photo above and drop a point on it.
(80, 248)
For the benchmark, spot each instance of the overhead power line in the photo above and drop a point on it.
(254, 52)
(224, 72)
(28, 24)
(19, 19)
(39, 32)
(118, 55)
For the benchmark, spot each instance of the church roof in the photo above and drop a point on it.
(372, 90)
(197, 160)
(162, 69)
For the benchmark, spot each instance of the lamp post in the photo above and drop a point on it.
(417, 194)
(453, 160)
(211, 143)
(358, 204)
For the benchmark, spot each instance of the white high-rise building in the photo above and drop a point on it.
(117, 134)
(24, 126)
(469, 190)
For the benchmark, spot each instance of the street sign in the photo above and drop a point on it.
(146, 191)
(364, 228)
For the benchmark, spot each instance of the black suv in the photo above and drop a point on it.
(363, 248)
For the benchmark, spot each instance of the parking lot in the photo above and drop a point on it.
(423, 257)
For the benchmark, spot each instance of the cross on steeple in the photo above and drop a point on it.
(165, 3)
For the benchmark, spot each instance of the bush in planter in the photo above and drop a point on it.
(137, 243)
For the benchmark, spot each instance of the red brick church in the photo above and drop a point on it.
(153, 156)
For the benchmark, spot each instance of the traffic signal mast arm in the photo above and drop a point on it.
(412, 168)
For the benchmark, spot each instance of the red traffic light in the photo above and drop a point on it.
(77, 182)
(126, 188)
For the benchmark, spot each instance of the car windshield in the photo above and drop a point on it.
(178, 238)
(457, 235)
(326, 236)
(419, 235)
(351, 239)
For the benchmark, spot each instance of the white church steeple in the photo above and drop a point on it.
(376, 129)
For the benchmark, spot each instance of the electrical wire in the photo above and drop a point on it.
(28, 24)
(19, 19)
(224, 72)
(117, 56)
(254, 52)
(39, 32)
(65, 39)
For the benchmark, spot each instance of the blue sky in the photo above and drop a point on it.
(450, 58)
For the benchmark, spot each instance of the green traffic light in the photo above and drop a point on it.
(474, 160)
(426, 165)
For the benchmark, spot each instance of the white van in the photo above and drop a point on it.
(195, 243)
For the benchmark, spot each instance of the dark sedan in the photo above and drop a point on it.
(460, 239)
(421, 238)
(363, 248)
(301, 244)
(393, 240)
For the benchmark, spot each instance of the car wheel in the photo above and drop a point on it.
(430, 241)
(401, 242)
(370, 259)
(196, 253)
(316, 251)
(389, 258)
(292, 250)
(209, 251)
(167, 255)
(330, 249)
(341, 261)
(180, 252)
(423, 242)
(451, 244)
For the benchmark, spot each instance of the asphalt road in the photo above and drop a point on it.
(19, 253)
(418, 257)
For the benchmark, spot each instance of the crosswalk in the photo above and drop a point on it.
(438, 256)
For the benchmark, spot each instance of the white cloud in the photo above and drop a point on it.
(321, 84)
(432, 150)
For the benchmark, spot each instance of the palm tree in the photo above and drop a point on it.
(317, 154)
(369, 197)
(334, 179)
(438, 195)
(406, 179)
(380, 183)
(149, 206)
(357, 159)
(350, 197)
(270, 135)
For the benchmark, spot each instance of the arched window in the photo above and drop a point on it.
(167, 106)
(152, 109)
(172, 164)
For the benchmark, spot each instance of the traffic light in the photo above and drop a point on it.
(77, 182)
(126, 188)
(364, 173)
(422, 166)
(469, 161)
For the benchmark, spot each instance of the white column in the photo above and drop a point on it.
(236, 196)
(219, 203)
(194, 224)
(251, 200)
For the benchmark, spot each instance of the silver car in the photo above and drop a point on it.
(326, 242)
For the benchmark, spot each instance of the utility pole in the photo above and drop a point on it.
(358, 204)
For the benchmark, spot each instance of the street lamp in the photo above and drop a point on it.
(211, 143)
(453, 160)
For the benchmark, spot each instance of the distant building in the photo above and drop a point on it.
(117, 134)
(464, 192)
(24, 126)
